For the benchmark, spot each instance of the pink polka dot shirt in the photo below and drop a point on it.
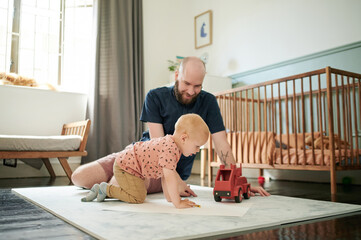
(147, 159)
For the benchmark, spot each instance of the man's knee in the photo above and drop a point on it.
(78, 178)
(89, 174)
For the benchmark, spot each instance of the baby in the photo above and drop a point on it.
(156, 158)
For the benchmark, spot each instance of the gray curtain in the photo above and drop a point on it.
(116, 94)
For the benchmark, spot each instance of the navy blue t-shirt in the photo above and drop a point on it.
(161, 106)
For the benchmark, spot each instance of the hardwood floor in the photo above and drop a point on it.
(19, 219)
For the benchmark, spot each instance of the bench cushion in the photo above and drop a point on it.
(39, 143)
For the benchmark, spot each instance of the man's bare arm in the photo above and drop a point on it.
(223, 148)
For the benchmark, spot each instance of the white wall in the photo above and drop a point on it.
(31, 111)
(246, 34)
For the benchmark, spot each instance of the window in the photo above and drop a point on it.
(48, 40)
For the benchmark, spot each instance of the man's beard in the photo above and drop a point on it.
(179, 96)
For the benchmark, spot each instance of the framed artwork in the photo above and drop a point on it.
(203, 29)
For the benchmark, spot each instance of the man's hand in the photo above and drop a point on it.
(259, 190)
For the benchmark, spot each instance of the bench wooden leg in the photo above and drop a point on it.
(64, 163)
(48, 166)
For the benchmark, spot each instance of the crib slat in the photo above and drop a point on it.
(229, 120)
(280, 119)
(303, 121)
(224, 106)
(273, 110)
(241, 129)
(295, 118)
(253, 127)
(269, 105)
(234, 112)
(355, 115)
(318, 112)
(320, 119)
(265, 121)
(269, 118)
(247, 125)
(237, 116)
(324, 110)
(230, 112)
(273, 114)
(359, 104)
(225, 102)
(349, 120)
(338, 115)
(311, 117)
(348, 116)
(287, 124)
(344, 115)
(220, 102)
(259, 125)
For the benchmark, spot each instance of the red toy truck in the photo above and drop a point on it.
(231, 185)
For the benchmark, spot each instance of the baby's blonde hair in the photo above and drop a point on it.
(193, 125)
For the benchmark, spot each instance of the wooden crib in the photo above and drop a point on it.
(309, 121)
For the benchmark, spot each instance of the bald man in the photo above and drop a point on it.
(161, 109)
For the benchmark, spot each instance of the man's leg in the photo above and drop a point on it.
(95, 172)
(153, 185)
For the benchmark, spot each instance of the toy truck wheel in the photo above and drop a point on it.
(217, 198)
(247, 194)
(238, 198)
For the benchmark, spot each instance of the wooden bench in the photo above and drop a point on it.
(80, 128)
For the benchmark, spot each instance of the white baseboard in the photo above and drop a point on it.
(23, 170)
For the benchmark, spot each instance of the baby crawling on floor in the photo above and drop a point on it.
(156, 158)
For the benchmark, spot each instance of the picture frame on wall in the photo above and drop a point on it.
(203, 29)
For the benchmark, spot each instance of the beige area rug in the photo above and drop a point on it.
(158, 219)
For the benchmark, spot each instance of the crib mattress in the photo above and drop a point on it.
(39, 143)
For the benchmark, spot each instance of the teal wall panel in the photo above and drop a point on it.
(347, 57)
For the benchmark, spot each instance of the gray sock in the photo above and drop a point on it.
(92, 194)
(102, 193)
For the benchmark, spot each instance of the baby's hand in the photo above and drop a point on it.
(185, 203)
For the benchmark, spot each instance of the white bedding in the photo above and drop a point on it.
(39, 143)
